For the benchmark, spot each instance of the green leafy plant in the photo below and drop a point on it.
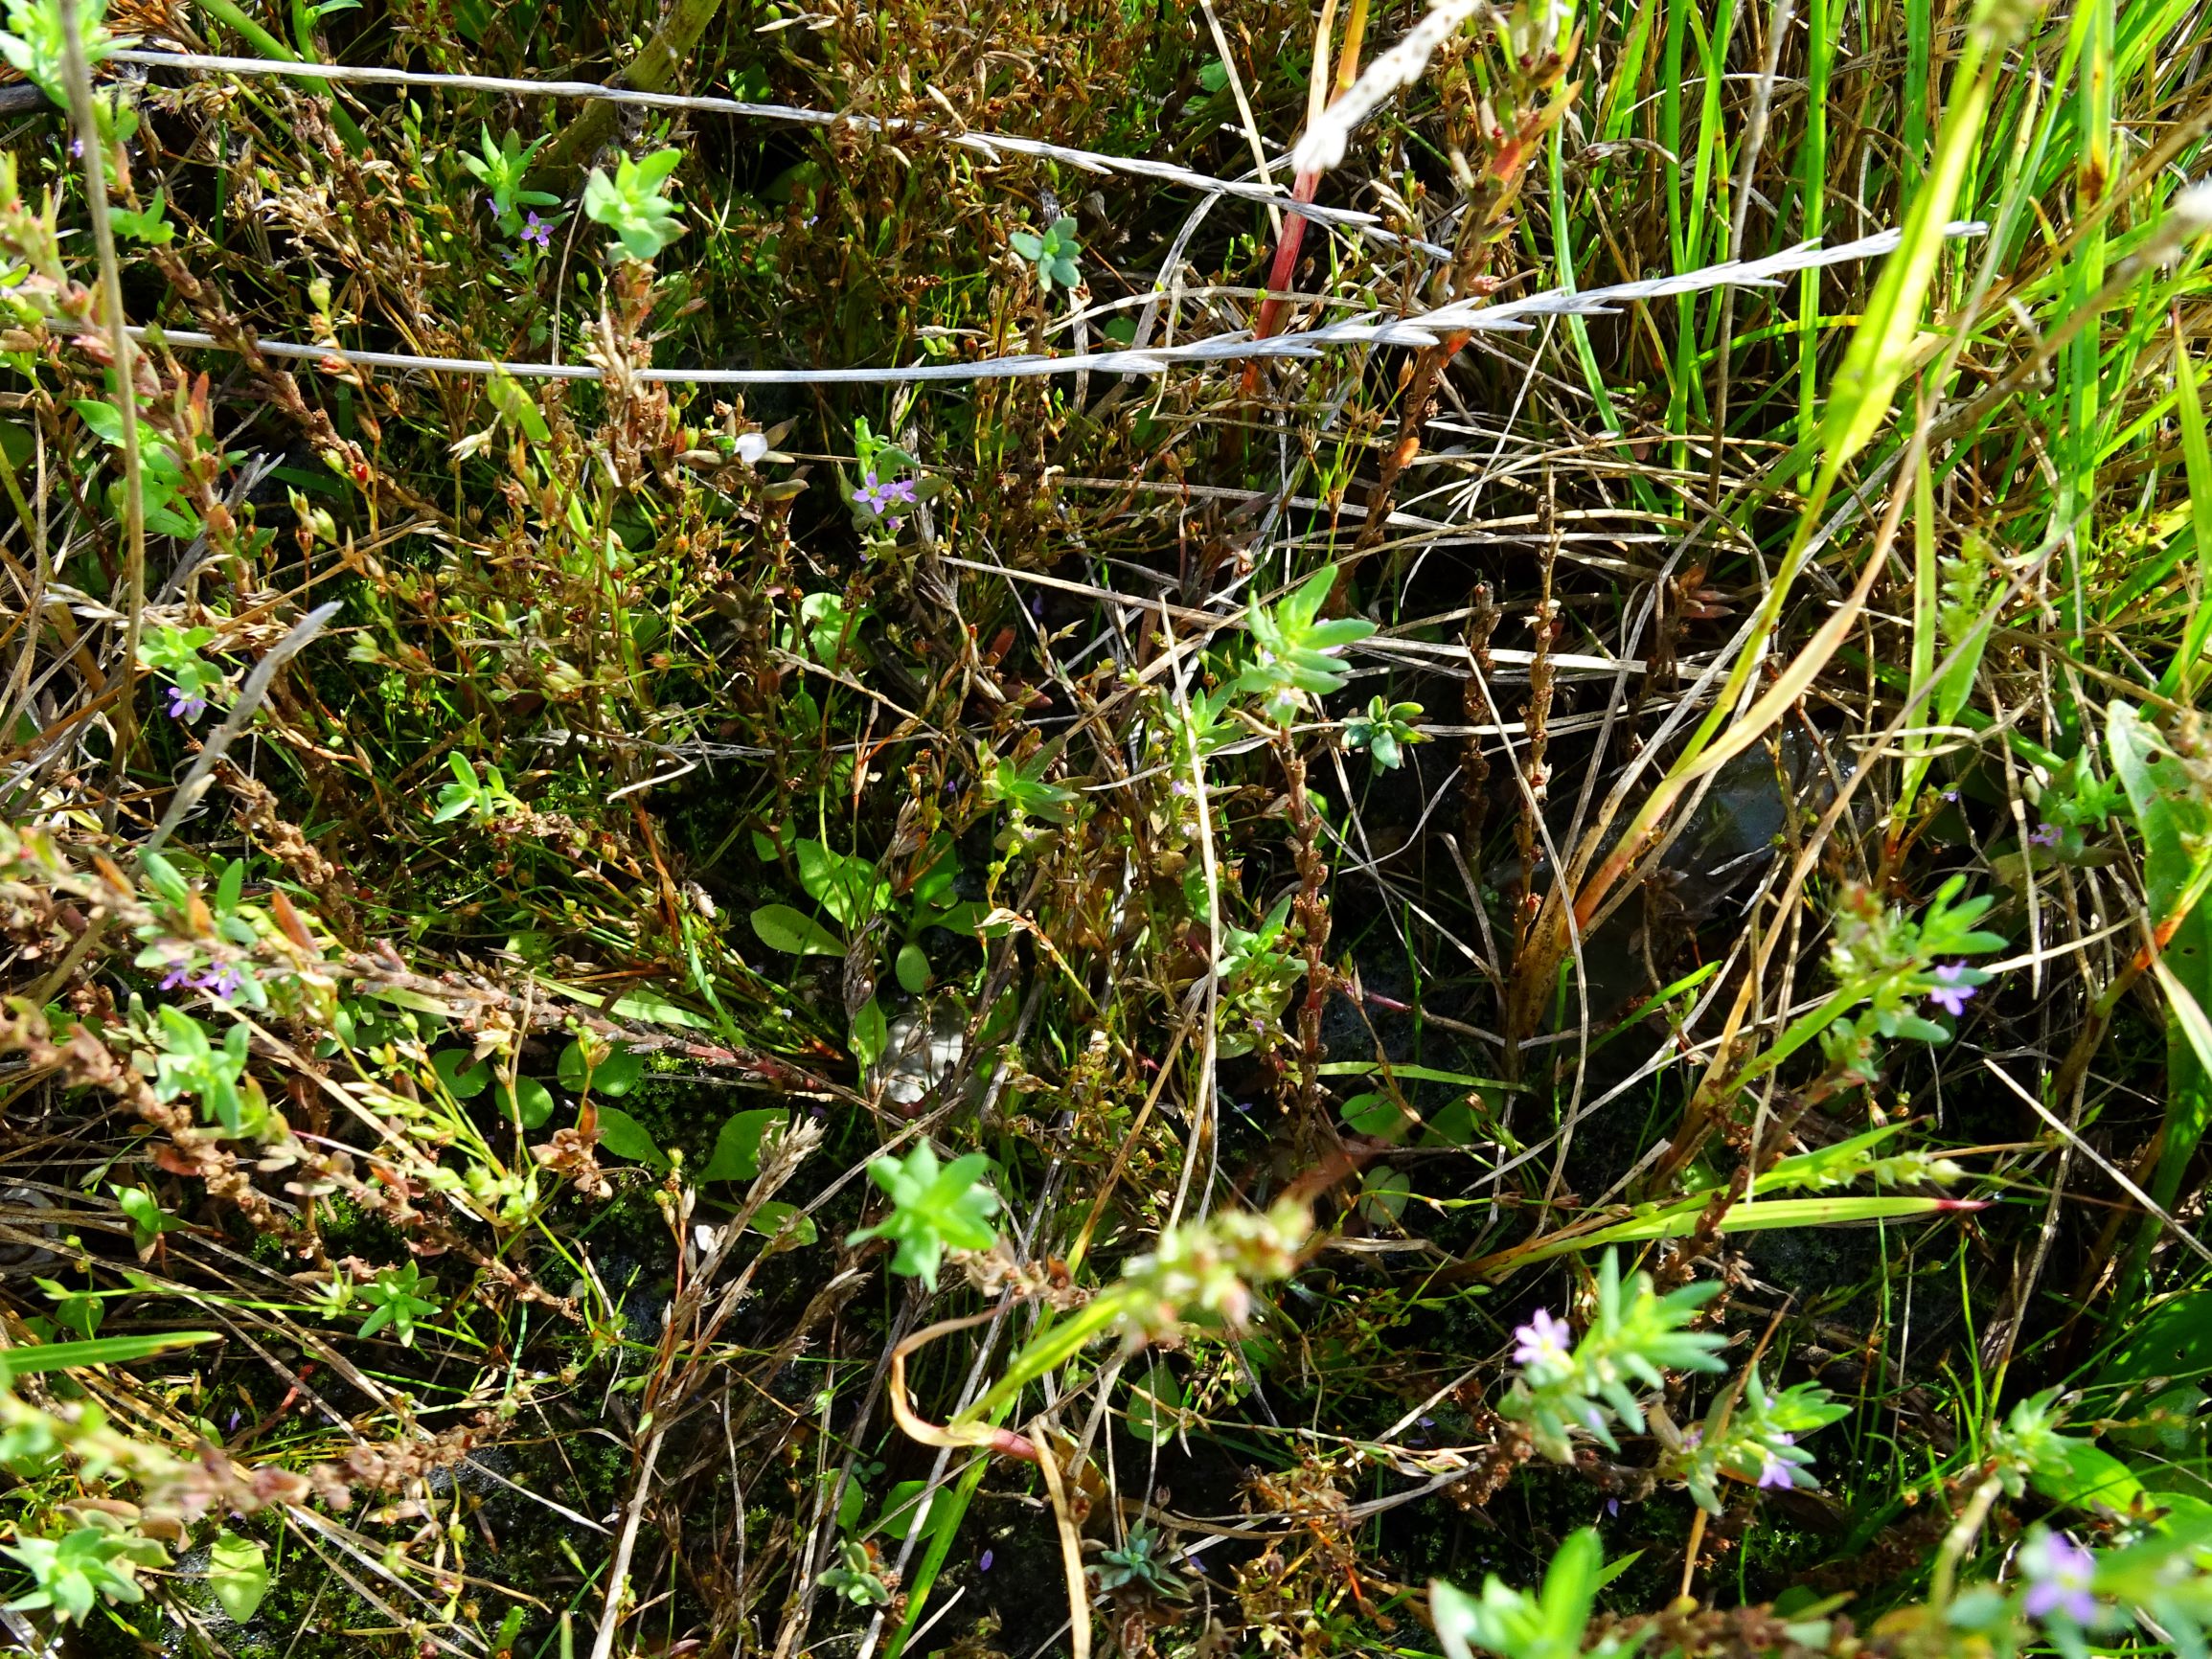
(1549, 1624)
(1888, 967)
(1140, 1562)
(1054, 253)
(34, 44)
(392, 1300)
(483, 798)
(186, 1063)
(162, 480)
(1258, 971)
(503, 168)
(177, 655)
(1753, 1435)
(1294, 653)
(95, 1562)
(854, 1576)
(630, 204)
(934, 1209)
(1635, 1335)
(855, 892)
(149, 1220)
(1385, 730)
(238, 1572)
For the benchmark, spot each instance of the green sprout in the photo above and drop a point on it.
(1141, 1561)
(503, 168)
(1294, 653)
(933, 1209)
(392, 1301)
(631, 206)
(1385, 730)
(1054, 253)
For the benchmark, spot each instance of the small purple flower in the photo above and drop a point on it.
(2060, 1573)
(223, 984)
(2043, 836)
(184, 705)
(1950, 990)
(894, 524)
(1951, 794)
(538, 231)
(872, 495)
(900, 490)
(180, 978)
(1541, 1341)
(1775, 1474)
(76, 148)
(983, 1565)
(1612, 1505)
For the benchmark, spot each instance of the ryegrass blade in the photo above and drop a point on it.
(2181, 678)
(1885, 344)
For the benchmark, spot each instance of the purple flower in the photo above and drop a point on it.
(1612, 1505)
(1775, 1474)
(894, 524)
(1951, 990)
(872, 495)
(900, 490)
(184, 705)
(76, 148)
(180, 978)
(2043, 836)
(983, 1563)
(537, 230)
(223, 984)
(2060, 1573)
(1543, 1341)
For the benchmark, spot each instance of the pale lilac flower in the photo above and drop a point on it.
(894, 524)
(872, 495)
(184, 705)
(2043, 836)
(223, 984)
(2060, 1573)
(1541, 1341)
(537, 230)
(180, 978)
(900, 490)
(1950, 990)
(984, 1565)
(1612, 1505)
(1775, 1474)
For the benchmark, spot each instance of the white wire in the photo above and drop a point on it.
(988, 143)
(1425, 329)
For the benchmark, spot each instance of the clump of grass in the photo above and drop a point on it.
(1086, 1011)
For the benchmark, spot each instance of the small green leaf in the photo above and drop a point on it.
(782, 929)
(463, 1079)
(768, 1221)
(871, 1034)
(625, 1137)
(913, 968)
(736, 1153)
(1155, 1405)
(238, 1572)
(619, 1073)
(532, 1102)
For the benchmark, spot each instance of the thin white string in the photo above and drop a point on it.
(987, 144)
(1425, 328)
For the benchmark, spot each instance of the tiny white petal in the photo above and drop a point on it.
(751, 447)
